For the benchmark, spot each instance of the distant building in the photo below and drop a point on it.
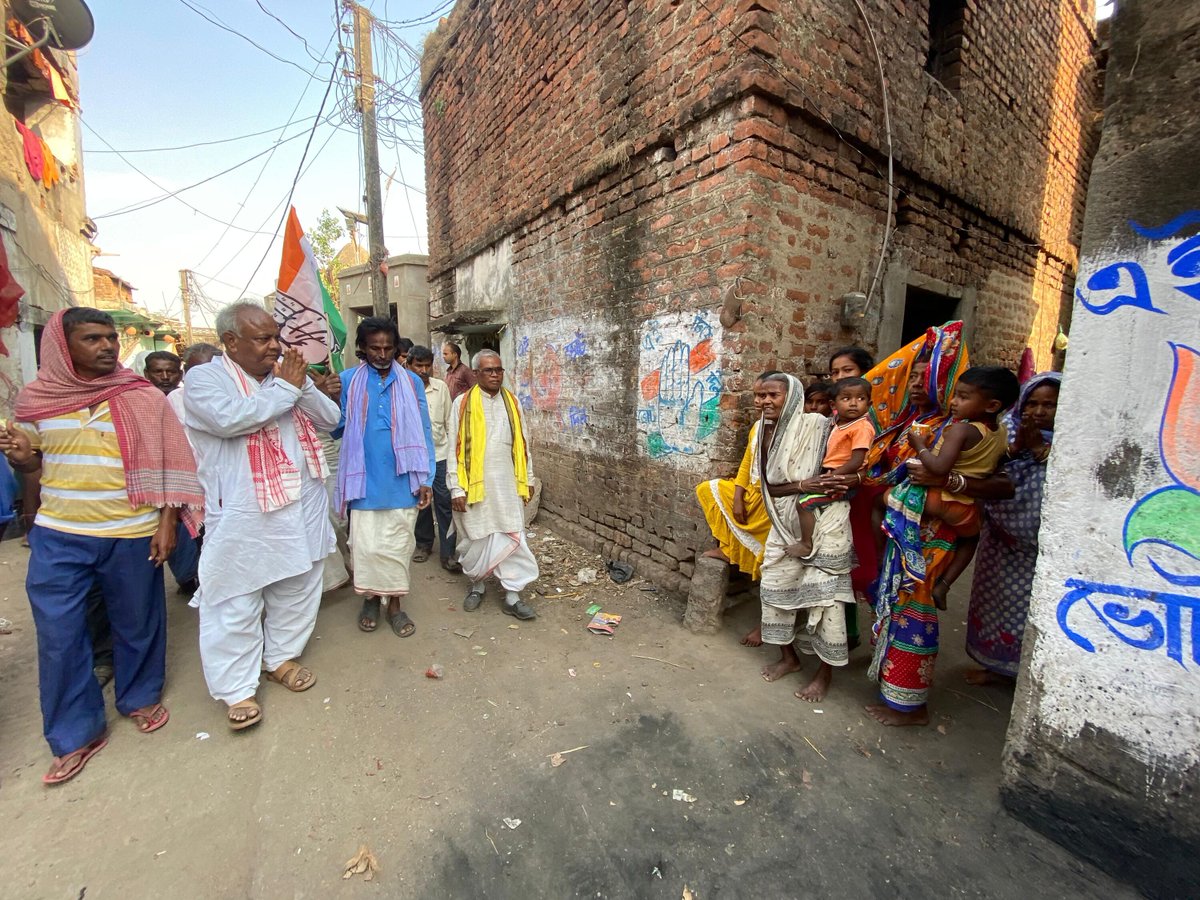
(43, 221)
(408, 297)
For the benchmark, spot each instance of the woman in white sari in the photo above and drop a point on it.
(801, 599)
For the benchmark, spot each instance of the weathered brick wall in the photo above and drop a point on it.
(642, 161)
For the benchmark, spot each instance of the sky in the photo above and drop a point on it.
(158, 75)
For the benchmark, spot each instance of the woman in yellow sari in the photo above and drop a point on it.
(736, 516)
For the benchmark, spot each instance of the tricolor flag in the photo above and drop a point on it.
(307, 317)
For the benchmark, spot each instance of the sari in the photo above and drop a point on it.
(800, 598)
(743, 544)
(1007, 555)
(916, 553)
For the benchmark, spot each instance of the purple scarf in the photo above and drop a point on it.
(408, 436)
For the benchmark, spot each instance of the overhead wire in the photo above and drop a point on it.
(299, 171)
(240, 137)
(267, 162)
(210, 17)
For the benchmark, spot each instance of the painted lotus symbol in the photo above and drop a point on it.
(1168, 519)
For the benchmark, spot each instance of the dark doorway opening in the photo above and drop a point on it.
(924, 309)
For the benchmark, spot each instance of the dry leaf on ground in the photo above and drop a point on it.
(362, 863)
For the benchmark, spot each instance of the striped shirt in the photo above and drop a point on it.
(83, 478)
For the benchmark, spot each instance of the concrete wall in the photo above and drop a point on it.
(603, 175)
(1104, 746)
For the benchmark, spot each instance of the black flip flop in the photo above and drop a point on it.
(402, 625)
(369, 612)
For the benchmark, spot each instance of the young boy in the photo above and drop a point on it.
(818, 398)
(971, 446)
(845, 452)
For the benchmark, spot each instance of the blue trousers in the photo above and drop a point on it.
(185, 558)
(62, 570)
(440, 504)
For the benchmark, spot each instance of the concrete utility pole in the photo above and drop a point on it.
(374, 198)
(185, 297)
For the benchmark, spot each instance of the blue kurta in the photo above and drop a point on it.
(385, 489)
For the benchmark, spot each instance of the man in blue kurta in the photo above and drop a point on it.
(385, 473)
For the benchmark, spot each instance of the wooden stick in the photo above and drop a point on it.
(564, 752)
(664, 661)
(815, 750)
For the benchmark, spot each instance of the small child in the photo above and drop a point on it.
(845, 452)
(972, 445)
(818, 398)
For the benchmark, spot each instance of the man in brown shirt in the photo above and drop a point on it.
(459, 376)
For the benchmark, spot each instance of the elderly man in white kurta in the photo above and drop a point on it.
(490, 478)
(252, 417)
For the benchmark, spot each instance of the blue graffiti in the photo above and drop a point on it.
(577, 416)
(523, 346)
(526, 400)
(1185, 264)
(645, 415)
(1111, 278)
(1170, 229)
(1150, 631)
(652, 338)
(701, 327)
(577, 347)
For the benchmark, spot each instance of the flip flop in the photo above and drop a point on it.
(369, 613)
(252, 718)
(77, 760)
(147, 719)
(402, 625)
(289, 674)
(421, 554)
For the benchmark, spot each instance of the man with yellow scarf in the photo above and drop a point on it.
(490, 478)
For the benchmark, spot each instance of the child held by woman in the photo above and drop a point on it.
(971, 445)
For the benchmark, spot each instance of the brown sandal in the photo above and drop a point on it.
(64, 768)
(253, 714)
(293, 676)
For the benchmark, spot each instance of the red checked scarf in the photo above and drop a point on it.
(159, 467)
(276, 477)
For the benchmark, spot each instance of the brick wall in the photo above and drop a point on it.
(643, 161)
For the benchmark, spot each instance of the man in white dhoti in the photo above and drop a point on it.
(385, 471)
(251, 417)
(490, 477)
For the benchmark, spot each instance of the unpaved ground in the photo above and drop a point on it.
(424, 772)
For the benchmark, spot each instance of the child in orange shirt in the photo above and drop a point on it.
(845, 452)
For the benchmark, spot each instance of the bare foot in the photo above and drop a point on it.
(752, 638)
(785, 666)
(716, 553)
(819, 686)
(881, 712)
(982, 677)
(799, 550)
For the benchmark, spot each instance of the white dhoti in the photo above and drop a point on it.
(336, 573)
(507, 556)
(237, 641)
(381, 547)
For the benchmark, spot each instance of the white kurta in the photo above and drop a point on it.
(260, 573)
(246, 548)
(491, 533)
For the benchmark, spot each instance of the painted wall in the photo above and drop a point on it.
(1104, 745)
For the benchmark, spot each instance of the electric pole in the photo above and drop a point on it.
(185, 297)
(370, 139)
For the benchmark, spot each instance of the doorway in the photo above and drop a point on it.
(924, 309)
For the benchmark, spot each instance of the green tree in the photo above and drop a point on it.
(325, 237)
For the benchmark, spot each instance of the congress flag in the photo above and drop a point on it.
(307, 317)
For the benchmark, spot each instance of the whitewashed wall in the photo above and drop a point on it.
(1116, 603)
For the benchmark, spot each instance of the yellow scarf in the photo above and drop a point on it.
(472, 440)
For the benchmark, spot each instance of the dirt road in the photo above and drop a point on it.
(782, 798)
